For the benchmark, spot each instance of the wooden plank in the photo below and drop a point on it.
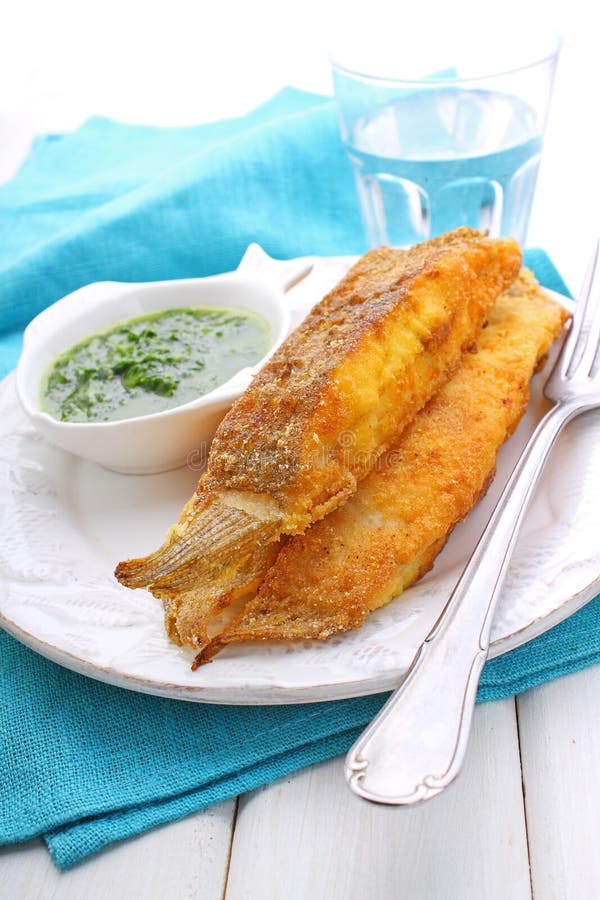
(185, 859)
(308, 836)
(560, 748)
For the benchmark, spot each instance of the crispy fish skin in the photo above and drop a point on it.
(388, 534)
(362, 363)
(317, 416)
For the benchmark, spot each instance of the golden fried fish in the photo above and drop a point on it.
(387, 535)
(318, 415)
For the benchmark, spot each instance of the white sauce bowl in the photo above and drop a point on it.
(174, 437)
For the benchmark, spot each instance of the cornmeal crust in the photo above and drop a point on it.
(388, 534)
(318, 416)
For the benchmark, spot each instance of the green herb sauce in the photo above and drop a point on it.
(152, 363)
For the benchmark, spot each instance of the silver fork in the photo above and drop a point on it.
(415, 746)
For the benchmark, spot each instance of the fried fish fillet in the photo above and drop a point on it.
(388, 534)
(319, 414)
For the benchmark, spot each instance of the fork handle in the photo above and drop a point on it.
(415, 746)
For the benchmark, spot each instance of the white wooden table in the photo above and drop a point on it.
(523, 820)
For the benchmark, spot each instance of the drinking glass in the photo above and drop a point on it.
(447, 132)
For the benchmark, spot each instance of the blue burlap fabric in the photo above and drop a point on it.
(82, 763)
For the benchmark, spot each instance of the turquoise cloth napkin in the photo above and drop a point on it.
(82, 763)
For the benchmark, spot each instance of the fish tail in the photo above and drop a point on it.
(209, 535)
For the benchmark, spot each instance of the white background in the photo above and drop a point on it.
(182, 62)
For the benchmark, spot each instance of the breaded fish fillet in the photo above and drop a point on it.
(318, 415)
(387, 535)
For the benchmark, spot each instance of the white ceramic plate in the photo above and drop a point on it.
(66, 522)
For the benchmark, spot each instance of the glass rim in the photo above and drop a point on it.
(399, 80)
